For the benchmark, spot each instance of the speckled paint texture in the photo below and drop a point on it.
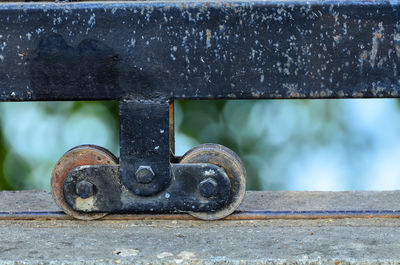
(182, 50)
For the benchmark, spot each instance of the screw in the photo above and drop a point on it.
(144, 174)
(84, 189)
(208, 187)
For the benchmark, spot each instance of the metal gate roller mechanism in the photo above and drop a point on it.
(148, 54)
(208, 182)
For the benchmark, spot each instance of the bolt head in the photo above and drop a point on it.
(144, 174)
(208, 187)
(84, 189)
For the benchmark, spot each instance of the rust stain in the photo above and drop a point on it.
(78, 156)
(364, 55)
(378, 35)
(171, 127)
(208, 33)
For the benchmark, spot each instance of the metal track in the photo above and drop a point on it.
(38, 205)
(237, 216)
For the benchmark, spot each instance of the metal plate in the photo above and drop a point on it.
(181, 196)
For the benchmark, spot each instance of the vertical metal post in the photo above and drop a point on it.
(145, 145)
(172, 127)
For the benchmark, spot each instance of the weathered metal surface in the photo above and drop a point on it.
(181, 50)
(229, 162)
(182, 195)
(78, 156)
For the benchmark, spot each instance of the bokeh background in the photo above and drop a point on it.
(284, 144)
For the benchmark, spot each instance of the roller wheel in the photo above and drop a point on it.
(78, 156)
(225, 158)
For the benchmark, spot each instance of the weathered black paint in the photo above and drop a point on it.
(55, 65)
(178, 50)
(144, 141)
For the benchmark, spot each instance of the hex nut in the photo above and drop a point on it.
(208, 187)
(84, 189)
(144, 174)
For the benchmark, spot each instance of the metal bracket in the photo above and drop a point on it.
(145, 145)
(193, 188)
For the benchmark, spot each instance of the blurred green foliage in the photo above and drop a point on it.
(204, 121)
(3, 181)
(34, 135)
(193, 117)
(284, 144)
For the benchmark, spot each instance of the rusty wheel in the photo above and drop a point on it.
(78, 156)
(225, 158)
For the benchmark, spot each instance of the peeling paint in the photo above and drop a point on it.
(85, 204)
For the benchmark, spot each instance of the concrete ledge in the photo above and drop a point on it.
(276, 241)
(18, 205)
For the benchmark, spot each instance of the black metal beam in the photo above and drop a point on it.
(182, 50)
